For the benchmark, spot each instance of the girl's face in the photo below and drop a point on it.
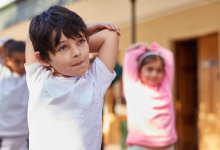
(71, 57)
(152, 73)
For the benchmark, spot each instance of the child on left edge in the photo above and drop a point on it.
(13, 98)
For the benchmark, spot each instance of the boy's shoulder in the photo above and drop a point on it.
(100, 74)
(98, 66)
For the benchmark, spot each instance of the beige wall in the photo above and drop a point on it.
(18, 31)
(185, 24)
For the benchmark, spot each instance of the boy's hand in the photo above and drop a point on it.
(93, 28)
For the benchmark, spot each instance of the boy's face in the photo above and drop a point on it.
(152, 73)
(16, 62)
(71, 57)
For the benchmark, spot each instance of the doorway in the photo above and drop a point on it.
(196, 93)
(186, 93)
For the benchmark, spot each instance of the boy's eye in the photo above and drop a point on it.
(81, 41)
(62, 48)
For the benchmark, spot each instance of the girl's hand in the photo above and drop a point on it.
(93, 28)
(136, 45)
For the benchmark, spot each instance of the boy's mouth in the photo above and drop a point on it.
(77, 64)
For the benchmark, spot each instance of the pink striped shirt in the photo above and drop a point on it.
(150, 110)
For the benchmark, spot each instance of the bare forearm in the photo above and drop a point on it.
(106, 44)
(94, 28)
(99, 33)
(96, 41)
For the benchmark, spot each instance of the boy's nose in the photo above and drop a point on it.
(75, 52)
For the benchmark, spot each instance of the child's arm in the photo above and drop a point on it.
(94, 28)
(29, 52)
(130, 65)
(169, 64)
(106, 43)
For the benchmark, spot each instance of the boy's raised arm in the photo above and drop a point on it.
(29, 52)
(106, 43)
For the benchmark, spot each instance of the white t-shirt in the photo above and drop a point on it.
(66, 113)
(13, 103)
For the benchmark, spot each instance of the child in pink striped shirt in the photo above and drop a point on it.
(148, 79)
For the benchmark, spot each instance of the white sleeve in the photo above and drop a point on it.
(36, 73)
(1, 70)
(101, 75)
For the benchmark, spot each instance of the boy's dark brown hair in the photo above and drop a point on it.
(45, 29)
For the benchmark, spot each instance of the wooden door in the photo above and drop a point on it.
(208, 92)
(186, 94)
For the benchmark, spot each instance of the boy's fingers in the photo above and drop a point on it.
(118, 31)
(112, 27)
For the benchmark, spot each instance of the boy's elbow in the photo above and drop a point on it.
(113, 35)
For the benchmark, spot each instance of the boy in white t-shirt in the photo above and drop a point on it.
(66, 96)
(13, 98)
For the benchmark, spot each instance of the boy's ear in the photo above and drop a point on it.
(42, 62)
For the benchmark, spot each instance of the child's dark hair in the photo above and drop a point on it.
(15, 46)
(45, 29)
(7, 43)
(4, 47)
(149, 59)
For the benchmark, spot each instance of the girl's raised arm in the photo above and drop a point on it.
(130, 65)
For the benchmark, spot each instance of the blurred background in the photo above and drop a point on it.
(190, 28)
